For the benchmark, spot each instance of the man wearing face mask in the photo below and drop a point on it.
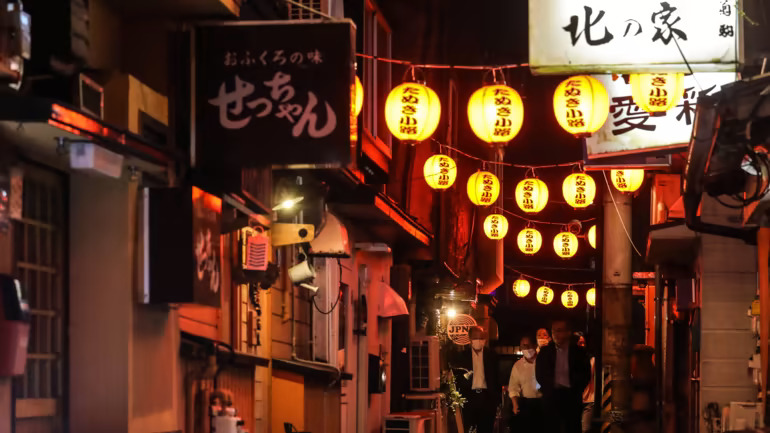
(542, 338)
(525, 391)
(482, 389)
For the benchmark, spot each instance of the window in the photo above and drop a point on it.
(377, 75)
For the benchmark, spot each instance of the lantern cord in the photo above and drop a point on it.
(622, 223)
(507, 164)
(689, 68)
(555, 283)
(439, 66)
(544, 222)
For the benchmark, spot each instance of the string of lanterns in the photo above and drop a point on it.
(545, 294)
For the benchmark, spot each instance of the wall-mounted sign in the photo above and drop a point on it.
(610, 36)
(458, 327)
(629, 129)
(273, 93)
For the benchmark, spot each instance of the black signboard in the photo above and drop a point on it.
(273, 94)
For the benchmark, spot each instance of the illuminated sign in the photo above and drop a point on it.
(458, 327)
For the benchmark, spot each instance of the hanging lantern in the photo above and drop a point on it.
(591, 297)
(569, 298)
(483, 188)
(657, 93)
(592, 236)
(496, 226)
(531, 195)
(529, 240)
(412, 112)
(579, 190)
(496, 113)
(627, 180)
(359, 97)
(521, 288)
(565, 244)
(581, 105)
(440, 171)
(544, 295)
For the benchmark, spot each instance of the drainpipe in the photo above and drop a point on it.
(659, 345)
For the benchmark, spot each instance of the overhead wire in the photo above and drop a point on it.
(620, 217)
(550, 282)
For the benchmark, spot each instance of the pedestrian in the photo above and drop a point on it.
(484, 393)
(563, 372)
(543, 338)
(524, 390)
(589, 394)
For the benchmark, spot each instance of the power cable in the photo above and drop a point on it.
(622, 223)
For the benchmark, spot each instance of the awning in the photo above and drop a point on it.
(672, 244)
(391, 303)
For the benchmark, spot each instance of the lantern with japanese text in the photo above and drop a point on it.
(565, 244)
(579, 190)
(483, 188)
(581, 105)
(591, 296)
(627, 180)
(529, 240)
(440, 171)
(359, 96)
(569, 298)
(544, 295)
(592, 236)
(412, 112)
(496, 226)
(521, 287)
(495, 113)
(531, 195)
(657, 93)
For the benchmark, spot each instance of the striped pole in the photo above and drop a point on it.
(606, 398)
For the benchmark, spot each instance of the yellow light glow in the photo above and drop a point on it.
(440, 171)
(359, 96)
(569, 298)
(496, 226)
(657, 93)
(591, 296)
(581, 105)
(627, 180)
(544, 295)
(495, 113)
(579, 190)
(521, 288)
(412, 112)
(531, 195)
(565, 244)
(592, 236)
(529, 241)
(451, 313)
(483, 188)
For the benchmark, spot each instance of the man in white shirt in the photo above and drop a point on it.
(524, 389)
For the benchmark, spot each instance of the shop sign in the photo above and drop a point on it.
(458, 327)
(269, 93)
(207, 213)
(601, 36)
(630, 130)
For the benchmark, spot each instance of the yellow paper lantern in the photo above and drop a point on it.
(529, 240)
(483, 188)
(412, 112)
(569, 298)
(591, 297)
(544, 295)
(495, 113)
(359, 96)
(581, 105)
(440, 171)
(496, 226)
(565, 244)
(627, 180)
(657, 93)
(579, 190)
(521, 288)
(592, 236)
(531, 195)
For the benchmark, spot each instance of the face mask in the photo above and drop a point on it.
(529, 353)
(542, 342)
(477, 344)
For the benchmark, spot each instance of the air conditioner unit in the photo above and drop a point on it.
(407, 423)
(424, 373)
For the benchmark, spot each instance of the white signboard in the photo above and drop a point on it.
(612, 36)
(629, 129)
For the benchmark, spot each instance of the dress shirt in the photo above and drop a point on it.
(522, 382)
(479, 380)
(561, 375)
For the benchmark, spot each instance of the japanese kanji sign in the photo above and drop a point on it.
(602, 36)
(629, 129)
(272, 93)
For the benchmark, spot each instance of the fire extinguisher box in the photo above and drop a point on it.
(14, 327)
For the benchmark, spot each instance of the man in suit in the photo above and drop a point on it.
(563, 371)
(481, 385)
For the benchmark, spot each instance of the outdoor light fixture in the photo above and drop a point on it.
(592, 236)
(529, 240)
(591, 296)
(531, 195)
(581, 105)
(565, 244)
(521, 287)
(657, 93)
(288, 203)
(569, 298)
(544, 295)
(412, 112)
(496, 226)
(579, 190)
(359, 97)
(440, 171)
(483, 188)
(495, 113)
(627, 180)
(451, 313)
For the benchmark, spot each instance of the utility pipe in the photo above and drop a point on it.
(659, 346)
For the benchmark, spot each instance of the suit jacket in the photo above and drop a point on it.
(579, 369)
(490, 370)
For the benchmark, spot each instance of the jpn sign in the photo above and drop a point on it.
(273, 94)
(631, 130)
(602, 36)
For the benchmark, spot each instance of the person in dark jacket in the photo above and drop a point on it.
(481, 385)
(563, 370)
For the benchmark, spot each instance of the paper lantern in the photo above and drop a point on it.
(544, 295)
(529, 240)
(521, 288)
(592, 236)
(569, 298)
(657, 93)
(591, 297)
(496, 226)
(531, 195)
(627, 180)
(565, 244)
(440, 171)
(412, 112)
(579, 190)
(359, 96)
(581, 105)
(483, 188)
(495, 113)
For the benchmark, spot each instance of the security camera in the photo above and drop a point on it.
(301, 272)
(310, 287)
